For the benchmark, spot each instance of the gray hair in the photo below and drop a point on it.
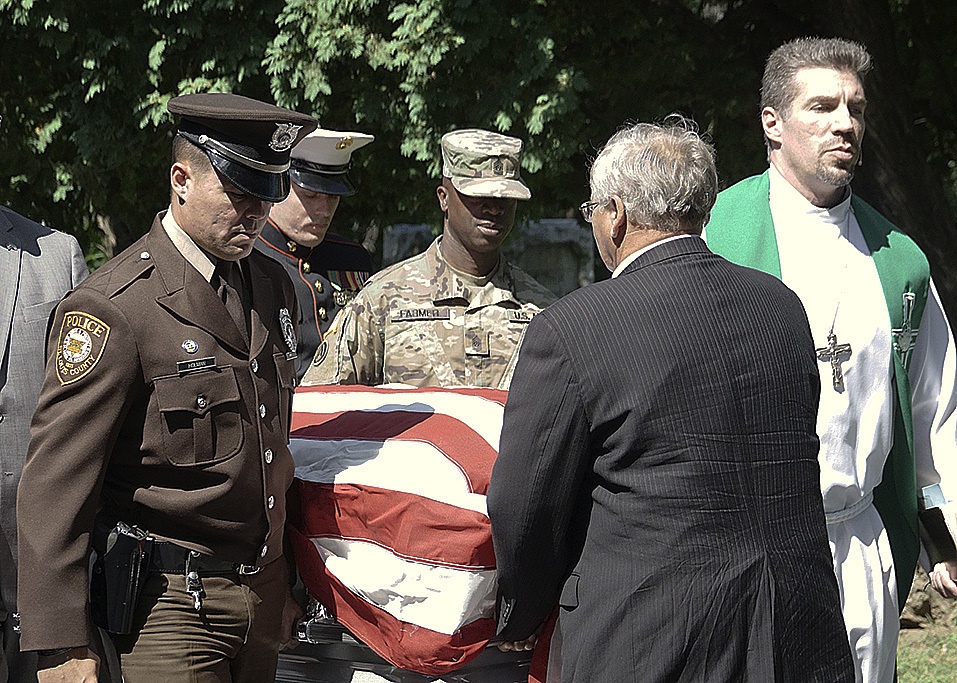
(779, 87)
(664, 173)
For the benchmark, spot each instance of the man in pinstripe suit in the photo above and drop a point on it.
(37, 267)
(657, 477)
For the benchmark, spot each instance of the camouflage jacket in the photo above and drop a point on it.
(422, 323)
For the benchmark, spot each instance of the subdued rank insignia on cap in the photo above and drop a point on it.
(80, 346)
(288, 329)
(284, 137)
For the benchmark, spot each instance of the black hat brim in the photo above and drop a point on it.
(270, 187)
(335, 184)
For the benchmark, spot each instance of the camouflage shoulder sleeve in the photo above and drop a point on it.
(529, 291)
(351, 350)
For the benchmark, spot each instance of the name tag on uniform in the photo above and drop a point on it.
(184, 367)
(520, 316)
(412, 314)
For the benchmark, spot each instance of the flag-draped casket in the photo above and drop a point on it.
(388, 519)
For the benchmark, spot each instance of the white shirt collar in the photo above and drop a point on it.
(195, 256)
(631, 257)
(786, 199)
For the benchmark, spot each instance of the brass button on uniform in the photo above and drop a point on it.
(271, 502)
(268, 455)
(262, 410)
(319, 286)
(306, 267)
(322, 313)
(262, 553)
(254, 365)
(201, 401)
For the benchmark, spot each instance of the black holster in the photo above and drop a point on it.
(121, 561)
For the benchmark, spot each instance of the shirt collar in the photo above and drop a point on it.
(784, 197)
(633, 256)
(187, 247)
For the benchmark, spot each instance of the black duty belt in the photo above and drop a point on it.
(169, 558)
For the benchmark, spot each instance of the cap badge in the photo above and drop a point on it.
(288, 330)
(345, 142)
(284, 137)
(498, 167)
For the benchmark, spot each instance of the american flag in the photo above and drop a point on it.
(391, 531)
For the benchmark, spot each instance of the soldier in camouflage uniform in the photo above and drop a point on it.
(454, 315)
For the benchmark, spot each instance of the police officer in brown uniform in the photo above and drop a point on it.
(164, 417)
(326, 269)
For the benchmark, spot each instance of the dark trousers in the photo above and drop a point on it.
(15, 666)
(233, 638)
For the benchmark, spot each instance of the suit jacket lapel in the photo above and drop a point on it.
(11, 256)
(188, 294)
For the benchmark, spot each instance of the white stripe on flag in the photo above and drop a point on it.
(482, 415)
(437, 598)
(412, 467)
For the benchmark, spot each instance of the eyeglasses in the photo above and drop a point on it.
(588, 210)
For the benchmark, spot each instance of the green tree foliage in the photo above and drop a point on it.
(84, 90)
(85, 86)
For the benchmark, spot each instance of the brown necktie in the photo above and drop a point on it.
(228, 282)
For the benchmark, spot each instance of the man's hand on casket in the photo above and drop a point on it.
(519, 645)
(942, 578)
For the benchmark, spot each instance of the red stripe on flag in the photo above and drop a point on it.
(473, 455)
(496, 395)
(410, 526)
(407, 646)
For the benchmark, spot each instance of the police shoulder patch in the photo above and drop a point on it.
(80, 346)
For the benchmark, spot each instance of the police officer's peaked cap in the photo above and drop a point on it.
(321, 161)
(246, 140)
(481, 163)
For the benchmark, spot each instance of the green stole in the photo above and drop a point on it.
(741, 230)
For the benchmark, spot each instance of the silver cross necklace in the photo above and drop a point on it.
(834, 352)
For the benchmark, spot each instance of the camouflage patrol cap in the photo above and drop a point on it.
(481, 163)
(247, 141)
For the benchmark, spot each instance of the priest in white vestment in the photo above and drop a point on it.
(886, 352)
